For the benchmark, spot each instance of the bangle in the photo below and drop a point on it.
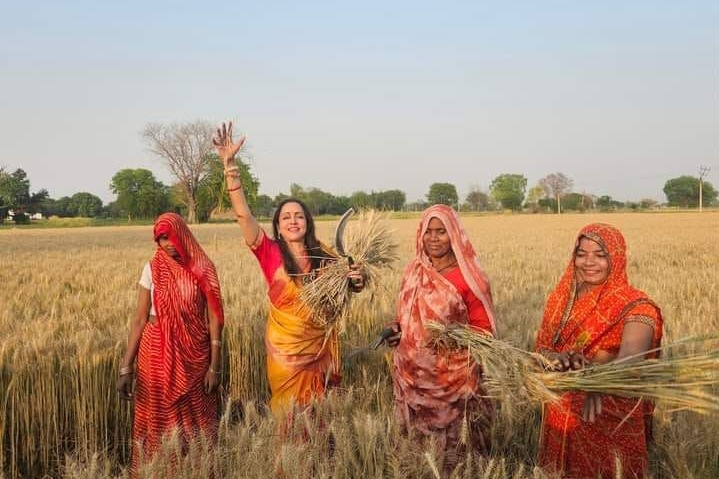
(231, 168)
(230, 190)
(125, 370)
(213, 371)
(216, 342)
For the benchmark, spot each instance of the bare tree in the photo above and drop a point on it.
(555, 186)
(186, 148)
(476, 199)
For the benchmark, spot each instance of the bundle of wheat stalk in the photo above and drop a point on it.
(370, 244)
(679, 380)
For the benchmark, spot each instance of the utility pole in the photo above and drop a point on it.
(703, 172)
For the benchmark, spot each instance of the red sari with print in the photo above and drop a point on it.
(436, 389)
(174, 352)
(593, 323)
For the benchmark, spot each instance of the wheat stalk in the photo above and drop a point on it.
(370, 244)
(680, 381)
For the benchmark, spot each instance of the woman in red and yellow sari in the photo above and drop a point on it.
(176, 338)
(302, 357)
(594, 315)
(436, 390)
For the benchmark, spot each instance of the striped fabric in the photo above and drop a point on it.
(174, 353)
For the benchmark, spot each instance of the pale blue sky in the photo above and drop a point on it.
(618, 95)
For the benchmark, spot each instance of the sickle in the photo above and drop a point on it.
(339, 232)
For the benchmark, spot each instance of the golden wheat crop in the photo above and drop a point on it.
(67, 296)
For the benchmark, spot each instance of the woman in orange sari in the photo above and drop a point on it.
(302, 357)
(436, 390)
(176, 338)
(595, 315)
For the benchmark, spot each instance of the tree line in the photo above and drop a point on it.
(199, 190)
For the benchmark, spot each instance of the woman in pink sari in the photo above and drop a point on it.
(437, 390)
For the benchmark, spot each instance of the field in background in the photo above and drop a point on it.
(67, 296)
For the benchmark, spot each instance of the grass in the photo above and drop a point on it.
(68, 295)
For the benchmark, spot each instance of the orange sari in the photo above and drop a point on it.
(302, 358)
(436, 389)
(588, 325)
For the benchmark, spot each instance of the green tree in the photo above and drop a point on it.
(393, 200)
(442, 193)
(264, 206)
(15, 194)
(86, 205)
(212, 193)
(535, 195)
(508, 190)
(577, 202)
(139, 194)
(360, 200)
(684, 191)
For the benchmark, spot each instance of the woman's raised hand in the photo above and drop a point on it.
(226, 148)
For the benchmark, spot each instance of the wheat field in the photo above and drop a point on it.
(68, 294)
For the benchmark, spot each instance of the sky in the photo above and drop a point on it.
(347, 96)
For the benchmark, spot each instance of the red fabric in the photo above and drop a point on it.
(302, 358)
(174, 353)
(477, 315)
(434, 389)
(588, 325)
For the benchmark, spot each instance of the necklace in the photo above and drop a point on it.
(447, 266)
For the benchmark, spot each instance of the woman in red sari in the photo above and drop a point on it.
(436, 390)
(595, 315)
(176, 338)
(302, 357)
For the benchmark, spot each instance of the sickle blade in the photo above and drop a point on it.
(339, 231)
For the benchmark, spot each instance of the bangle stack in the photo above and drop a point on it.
(232, 171)
(125, 370)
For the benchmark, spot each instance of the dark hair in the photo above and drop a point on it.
(317, 255)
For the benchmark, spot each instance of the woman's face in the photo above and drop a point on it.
(436, 239)
(167, 246)
(292, 223)
(591, 263)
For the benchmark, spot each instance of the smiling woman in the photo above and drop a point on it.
(594, 315)
(302, 357)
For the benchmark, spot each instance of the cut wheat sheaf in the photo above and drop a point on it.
(680, 380)
(371, 244)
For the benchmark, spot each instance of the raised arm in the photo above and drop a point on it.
(227, 150)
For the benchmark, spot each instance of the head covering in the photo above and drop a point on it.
(467, 259)
(598, 311)
(432, 387)
(192, 258)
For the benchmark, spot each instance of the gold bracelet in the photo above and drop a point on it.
(125, 370)
(213, 371)
(216, 342)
